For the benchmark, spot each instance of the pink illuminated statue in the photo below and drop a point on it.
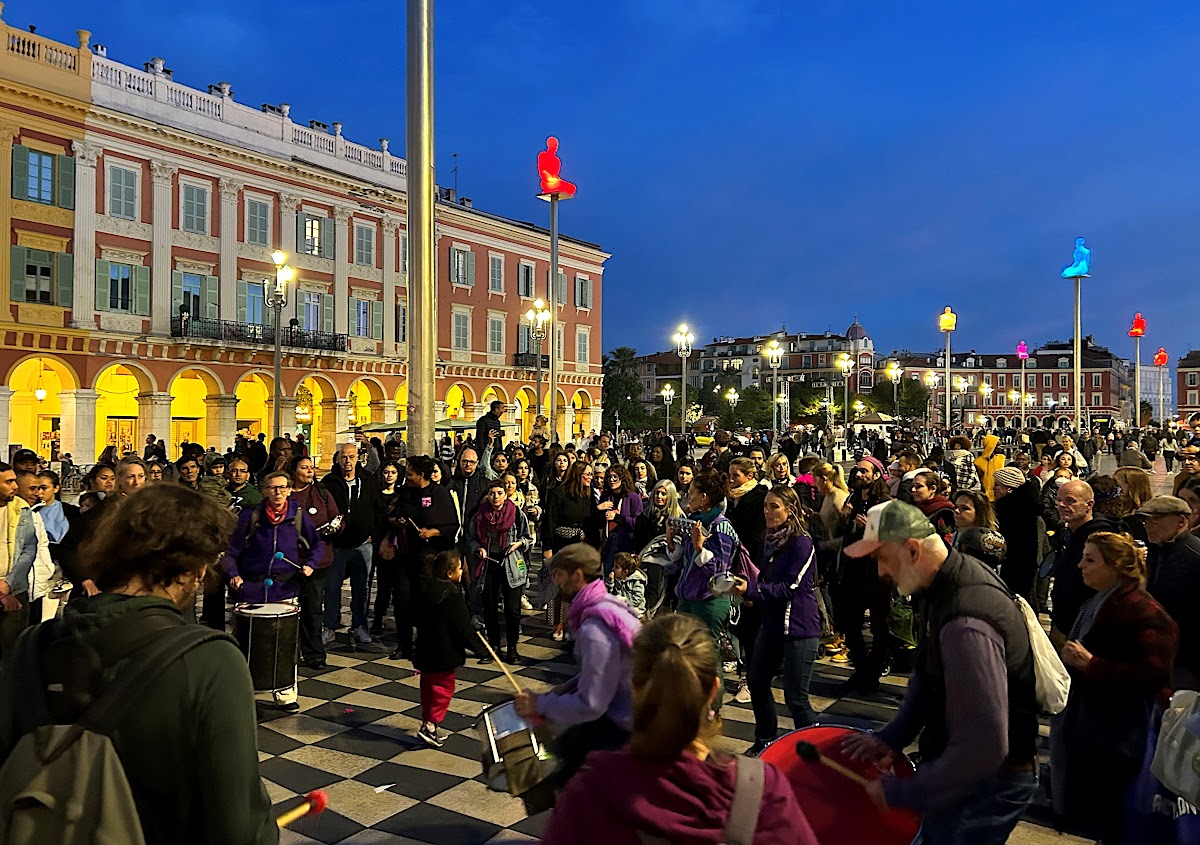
(549, 166)
(1139, 326)
(1022, 350)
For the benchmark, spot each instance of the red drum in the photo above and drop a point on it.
(838, 809)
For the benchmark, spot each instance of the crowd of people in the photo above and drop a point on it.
(681, 580)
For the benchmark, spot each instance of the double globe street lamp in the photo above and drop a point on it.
(537, 317)
(683, 339)
(276, 298)
(774, 353)
(668, 395)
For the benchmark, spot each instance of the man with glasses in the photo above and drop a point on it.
(467, 481)
(1189, 464)
(357, 496)
(257, 573)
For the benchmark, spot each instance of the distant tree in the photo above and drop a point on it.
(622, 388)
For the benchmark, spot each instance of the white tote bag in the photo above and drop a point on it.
(1177, 755)
(1052, 680)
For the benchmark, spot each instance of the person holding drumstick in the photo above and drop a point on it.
(971, 695)
(273, 545)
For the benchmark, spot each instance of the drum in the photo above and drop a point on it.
(838, 809)
(514, 759)
(269, 635)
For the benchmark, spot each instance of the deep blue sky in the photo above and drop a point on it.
(752, 163)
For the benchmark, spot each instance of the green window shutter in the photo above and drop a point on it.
(404, 255)
(377, 320)
(212, 297)
(241, 301)
(300, 218)
(327, 313)
(64, 279)
(328, 245)
(17, 273)
(64, 176)
(20, 172)
(471, 267)
(141, 290)
(102, 273)
(177, 293)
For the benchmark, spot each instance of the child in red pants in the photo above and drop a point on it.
(444, 633)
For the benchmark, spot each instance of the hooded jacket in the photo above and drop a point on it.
(444, 631)
(685, 801)
(253, 556)
(987, 464)
(1017, 519)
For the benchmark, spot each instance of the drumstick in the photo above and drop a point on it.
(314, 803)
(811, 754)
(495, 657)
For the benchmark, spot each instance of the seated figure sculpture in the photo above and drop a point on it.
(1079, 265)
(549, 166)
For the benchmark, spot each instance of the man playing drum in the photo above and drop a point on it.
(273, 546)
(971, 695)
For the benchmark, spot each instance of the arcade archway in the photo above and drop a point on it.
(35, 409)
(117, 389)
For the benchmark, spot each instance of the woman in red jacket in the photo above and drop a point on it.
(672, 786)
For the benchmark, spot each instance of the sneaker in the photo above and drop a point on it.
(842, 656)
(377, 628)
(743, 693)
(525, 604)
(729, 667)
(557, 636)
(362, 634)
(428, 733)
(327, 636)
(757, 748)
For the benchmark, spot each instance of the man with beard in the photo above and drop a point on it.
(859, 585)
(242, 494)
(20, 551)
(972, 693)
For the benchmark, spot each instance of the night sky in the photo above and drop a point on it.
(752, 163)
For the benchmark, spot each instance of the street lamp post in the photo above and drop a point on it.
(947, 323)
(538, 316)
(846, 363)
(1023, 355)
(683, 347)
(986, 390)
(859, 407)
(774, 354)
(895, 372)
(668, 395)
(276, 296)
(732, 398)
(932, 380)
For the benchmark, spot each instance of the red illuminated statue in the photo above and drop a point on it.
(1139, 326)
(549, 166)
(1160, 357)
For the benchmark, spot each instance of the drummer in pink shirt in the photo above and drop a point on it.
(668, 786)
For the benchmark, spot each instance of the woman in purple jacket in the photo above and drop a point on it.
(620, 505)
(791, 628)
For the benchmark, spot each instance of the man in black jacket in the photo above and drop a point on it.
(1018, 506)
(357, 497)
(1075, 503)
(467, 482)
(490, 422)
(1173, 578)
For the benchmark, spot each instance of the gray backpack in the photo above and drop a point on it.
(65, 784)
(743, 813)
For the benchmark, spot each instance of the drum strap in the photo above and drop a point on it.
(743, 812)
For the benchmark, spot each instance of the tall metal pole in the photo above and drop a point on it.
(537, 346)
(775, 407)
(422, 282)
(1021, 399)
(277, 392)
(948, 383)
(552, 399)
(846, 400)
(682, 399)
(1137, 383)
(1162, 408)
(1078, 363)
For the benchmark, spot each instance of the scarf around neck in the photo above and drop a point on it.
(706, 518)
(498, 520)
(777, 538)
(595, 602)
(275, 517)
(736, 493)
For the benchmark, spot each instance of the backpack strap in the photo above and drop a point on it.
(747, 798)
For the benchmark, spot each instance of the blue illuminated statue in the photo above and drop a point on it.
(1083, 257)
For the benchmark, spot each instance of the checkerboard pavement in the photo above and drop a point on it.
(355, 738)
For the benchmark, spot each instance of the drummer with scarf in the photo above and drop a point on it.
(596, 706)
(497, 538)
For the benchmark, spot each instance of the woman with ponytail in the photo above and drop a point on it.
(672, 786)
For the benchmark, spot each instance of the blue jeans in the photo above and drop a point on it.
(352, 563)
(986, 817)
(798, 656)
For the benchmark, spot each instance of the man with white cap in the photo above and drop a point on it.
(1018, 506)
(971, 696)
(1173, 578)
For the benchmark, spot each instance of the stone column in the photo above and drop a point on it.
(229, 242)
(341, 270)
(335, 417)
(287, 418)
(160, 263)
(6, 394)
(78, 426)
(154, 416)
(7, 134)
(221, 420)
(384, 411)
(288, 204)
(390, 253)
(83, 305)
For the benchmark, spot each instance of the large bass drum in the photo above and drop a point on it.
(269, 635)
(839, 810)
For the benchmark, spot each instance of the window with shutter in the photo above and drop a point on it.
(524, 339)
(403, 254)
(401, 322)
(495, 336)
(258, 226)
(141, 290)
(122, 193)
(195, 210)
(37, 272)
(120, 287)
(360, 324)
(327, 313)
(64, 173)
(312, 234)
(64, 279)
(256, 304)
(525, 281)
(364, 246)
(581, 347)
(377, 320)
(495, 274)
(462, 331)
(562, 288)
(212, 298)
(39, 183)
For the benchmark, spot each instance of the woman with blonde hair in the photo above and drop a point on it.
(1120, 653)
(1135, 487)
(672, 786)
(779, 470)
(827, 531)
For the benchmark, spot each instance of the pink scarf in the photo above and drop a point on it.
(595, 602)
(500, 520)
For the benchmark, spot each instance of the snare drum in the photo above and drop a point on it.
(514, 759)
(269, 635)
(839, 809)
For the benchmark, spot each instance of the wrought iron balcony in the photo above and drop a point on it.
(529, 359)
(231, 332)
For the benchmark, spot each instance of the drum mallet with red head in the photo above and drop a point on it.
(314, 803)
(811, 754)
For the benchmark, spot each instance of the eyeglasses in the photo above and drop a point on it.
(279, 489)
(468, 463)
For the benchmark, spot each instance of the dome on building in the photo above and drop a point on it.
(856, 330)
